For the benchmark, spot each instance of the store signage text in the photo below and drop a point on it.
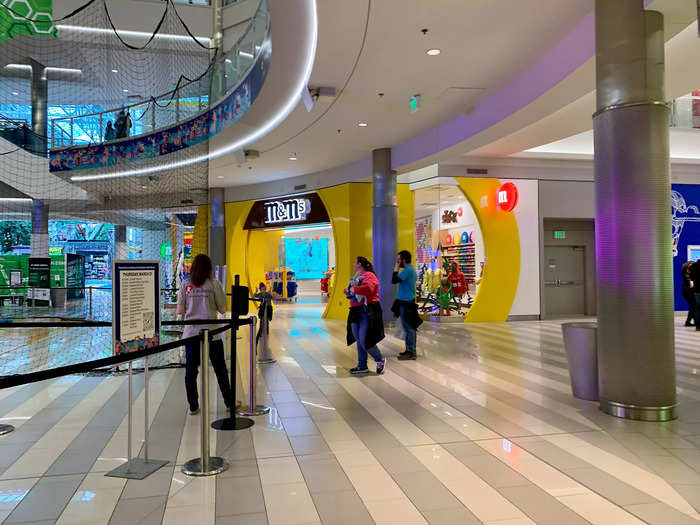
(288, 210)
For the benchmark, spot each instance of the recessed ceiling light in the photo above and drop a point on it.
(15, 93)
(115, 71)
(125, 90)
(362, 124)
(219, 176)
(293, 157)
(433, 52)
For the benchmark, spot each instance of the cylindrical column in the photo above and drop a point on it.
(385, 220)
(217, 227)
(217, 42)
(633, 222)
(40, 229)
(40, 95)
(121, 249)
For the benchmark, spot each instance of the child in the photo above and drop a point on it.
(444, 296)
(265, 299)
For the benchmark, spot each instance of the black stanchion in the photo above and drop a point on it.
(239, 298)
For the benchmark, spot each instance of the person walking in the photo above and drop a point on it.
(201, 297)
(127, 124)
(405, 307)
(365, 324)
(265, 310)
(110, 132)
(689, 289)
(120, 125)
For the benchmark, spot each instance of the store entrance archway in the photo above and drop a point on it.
(291, 248)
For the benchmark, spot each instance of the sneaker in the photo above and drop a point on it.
(407, 357)
(380, 366)
(405, 352)
(357, 370)
(194, 412)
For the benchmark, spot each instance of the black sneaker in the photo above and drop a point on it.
(358, 371)
(407, 357)
(380, 366)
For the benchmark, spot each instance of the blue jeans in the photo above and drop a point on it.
(410, 332)
(359, 331)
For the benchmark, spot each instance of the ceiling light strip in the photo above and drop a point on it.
(300, 83)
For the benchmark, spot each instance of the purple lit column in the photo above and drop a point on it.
(385, 225)
(633, 215)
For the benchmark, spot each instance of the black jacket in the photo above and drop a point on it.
(412, 316)
(375, 330)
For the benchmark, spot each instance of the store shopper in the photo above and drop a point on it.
(689, 293)
(405, 307)
(365, 323)
(110, 132)
(201, 297)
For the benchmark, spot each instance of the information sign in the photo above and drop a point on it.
(135, 305)
(39, 280)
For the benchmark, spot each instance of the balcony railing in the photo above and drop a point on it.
(187, 101)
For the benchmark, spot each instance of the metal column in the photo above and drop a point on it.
(633, 223)
(40, 229)
(121, 249)
(217, 78)
(40, 94)
(217, 227)
(385, 220)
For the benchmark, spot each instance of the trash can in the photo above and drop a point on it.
(582, 352)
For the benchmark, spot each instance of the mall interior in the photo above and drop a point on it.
(538, 159)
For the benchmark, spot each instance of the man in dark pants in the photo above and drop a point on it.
(405, 306)
(694, 274)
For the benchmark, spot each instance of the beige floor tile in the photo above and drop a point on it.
(395, 512)
(289, 504)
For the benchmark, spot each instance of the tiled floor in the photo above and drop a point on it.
(481, 429)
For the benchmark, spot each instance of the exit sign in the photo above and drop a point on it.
(415, 102)
(559, 235)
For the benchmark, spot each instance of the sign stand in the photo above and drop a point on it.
(139, 304)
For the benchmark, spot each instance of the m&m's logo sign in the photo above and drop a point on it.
(507, 197)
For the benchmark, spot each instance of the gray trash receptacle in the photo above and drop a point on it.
(582, 351)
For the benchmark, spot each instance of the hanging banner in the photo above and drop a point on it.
(135, 305)
(39, 281)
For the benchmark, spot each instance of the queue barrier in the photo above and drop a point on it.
(140, 468)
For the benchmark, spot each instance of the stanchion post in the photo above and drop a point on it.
(205, 465)
(146, 419)
(90, 301)
(253, 409)
(137, 468)
(264, 356)
(233, 422)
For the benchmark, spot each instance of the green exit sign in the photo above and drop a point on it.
(559, 235)
(415, 103)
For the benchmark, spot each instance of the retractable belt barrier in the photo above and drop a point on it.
(140, 468)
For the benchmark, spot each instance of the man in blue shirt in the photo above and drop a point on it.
(405, 306)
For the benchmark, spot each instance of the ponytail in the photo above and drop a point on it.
(366, 265)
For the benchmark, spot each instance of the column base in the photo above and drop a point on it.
(638, 413)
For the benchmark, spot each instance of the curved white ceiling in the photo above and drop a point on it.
(367, 47)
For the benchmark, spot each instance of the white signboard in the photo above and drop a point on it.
(136, 305)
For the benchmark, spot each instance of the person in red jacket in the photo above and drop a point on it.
(457, 280)
(365, 323)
